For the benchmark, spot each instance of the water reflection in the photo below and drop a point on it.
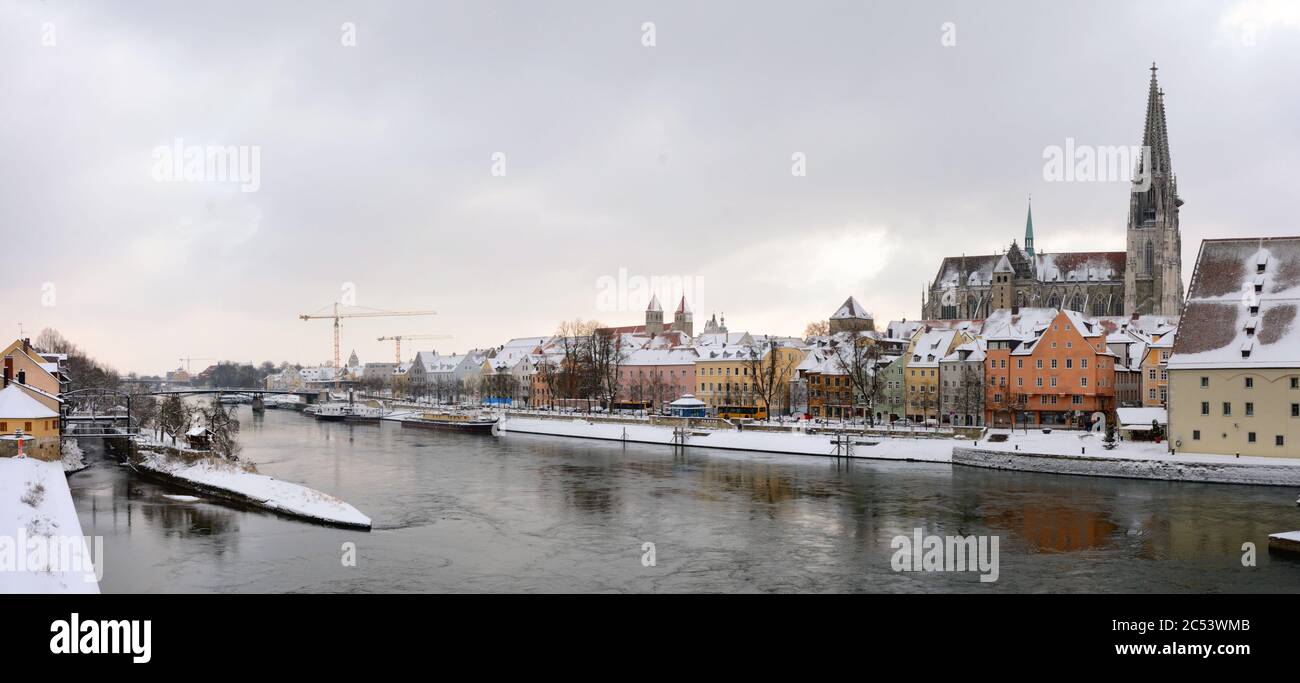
(459, 512)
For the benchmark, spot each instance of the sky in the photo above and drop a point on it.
(514, 164)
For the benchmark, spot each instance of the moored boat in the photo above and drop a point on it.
(358, 412)
(454, 422)
(331, 412)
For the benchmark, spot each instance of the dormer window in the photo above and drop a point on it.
(1254, 309)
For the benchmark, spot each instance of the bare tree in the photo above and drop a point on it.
(174, 416)
(817, 328)
(769, 372)
(858, 357)
(223, 427)
(607, 354)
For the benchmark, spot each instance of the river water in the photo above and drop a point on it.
(459, 512)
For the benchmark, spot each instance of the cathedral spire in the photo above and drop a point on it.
(1029, 230)
(1155, 136)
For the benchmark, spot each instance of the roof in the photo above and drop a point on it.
(18, 405)
(850, 309)
(1241, 307)
(1141, 416)
(654, 304)
(1080, 266)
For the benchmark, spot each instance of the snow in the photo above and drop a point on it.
(886, 448)
(15, 404)
(1083, 453)
(1142, 416)
(850, 310)
(269, 492)
(181, 498)
(36, 505)
(72, 458)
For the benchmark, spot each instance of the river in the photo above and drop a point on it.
(528, 513)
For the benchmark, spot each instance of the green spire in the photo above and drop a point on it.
(1029, 231)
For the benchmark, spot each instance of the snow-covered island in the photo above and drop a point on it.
(234, 480)
(42, 549)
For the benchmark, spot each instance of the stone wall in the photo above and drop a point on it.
(1168, 469)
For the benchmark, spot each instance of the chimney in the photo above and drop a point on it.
(9, 369)
(1015, 310)
(27, 345)
(22, 377)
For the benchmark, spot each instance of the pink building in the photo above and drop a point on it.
(658, 376)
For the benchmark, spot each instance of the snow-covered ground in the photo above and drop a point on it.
(220, 476)
(874, 447)
(36, 513)
(1070, 452)
(1073, 443)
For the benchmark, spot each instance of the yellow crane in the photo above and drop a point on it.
(399, 337)
(336, 316)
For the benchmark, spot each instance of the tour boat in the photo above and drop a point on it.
(454, 422)
(363, 413)
(332, 412)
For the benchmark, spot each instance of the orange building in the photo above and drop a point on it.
(1061, 374)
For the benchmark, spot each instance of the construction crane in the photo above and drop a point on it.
(336, 316)
(187, 360)
(399, 337)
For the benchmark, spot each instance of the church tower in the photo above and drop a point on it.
(684, 319)
(1153, 272)
(654, 316)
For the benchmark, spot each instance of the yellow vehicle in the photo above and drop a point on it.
(742, 413)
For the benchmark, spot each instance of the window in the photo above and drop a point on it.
(1196, 435)
(1227, 408)
(1039, 363)
(1038, 382)
(1151, 394)
(1295, 382)
(1076, 399)
(1151, 374)
(1279, 440)
(1205, 382)
(1250, 437)
(1053, 381)
(1250, 409)
(1205, 407)
(1250, 382)
(27, 426)
(1083, 363)
(1295, 411)
(1069, 363)
(4, 426)
(1083, 381)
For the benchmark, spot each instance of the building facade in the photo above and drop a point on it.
(1234, 375)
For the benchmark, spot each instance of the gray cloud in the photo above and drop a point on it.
(671, 160)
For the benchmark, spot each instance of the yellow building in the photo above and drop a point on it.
(921, 373)
(19, 411)
(22, 364)
(724, 375)
(1234, 375)
(1155, 371)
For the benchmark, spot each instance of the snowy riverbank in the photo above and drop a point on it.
(225, 479)
(870, 447)
(1082, 453)
(42, 549)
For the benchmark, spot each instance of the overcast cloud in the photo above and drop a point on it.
(671, 160)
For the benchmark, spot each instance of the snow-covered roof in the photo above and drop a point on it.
(1233, 318)
(1080, 266)
(654, 304)
(197, 431)
(1003, 324)
(674, 356)
(850, 309)
(930, 347)
(16, 404)
(1142, 416)
(687, 401)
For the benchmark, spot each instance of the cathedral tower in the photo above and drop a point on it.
(654, 316)
(1153, 273)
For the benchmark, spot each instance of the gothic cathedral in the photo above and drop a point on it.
(1147, 278)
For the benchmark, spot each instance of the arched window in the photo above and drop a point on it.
(1054, 301)
(1150, 259)
(1076, 303)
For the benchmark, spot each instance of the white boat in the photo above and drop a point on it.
(332, 412)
